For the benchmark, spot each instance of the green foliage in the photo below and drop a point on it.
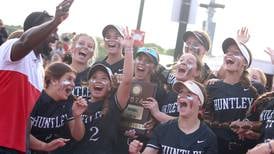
(170, 52)
(12, 28)
(160, 49)
(101, 53)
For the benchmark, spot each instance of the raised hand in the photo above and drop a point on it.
(151, 104)
(270, 52)
(242, 35)
(62, 10)
(127, 42)
(79, 106)
(54, 144)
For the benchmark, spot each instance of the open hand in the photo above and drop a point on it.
(54, 144)
(62, 10)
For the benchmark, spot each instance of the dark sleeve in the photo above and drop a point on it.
(68, 107)
(165, 75)
(154, 140)
(161, 96)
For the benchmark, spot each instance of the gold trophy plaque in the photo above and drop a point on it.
(135, 115)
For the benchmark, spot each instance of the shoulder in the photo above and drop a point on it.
(168, 125)
(5, 48)
(216, 85)
(207, 130)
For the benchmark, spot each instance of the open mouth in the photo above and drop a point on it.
(140, 69)
(82, 54)
(68, 90)
(112, 45)
(98, 88)
(181, 70)
(183, 104)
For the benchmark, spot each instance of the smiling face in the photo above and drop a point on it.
(99, 85)
(64, 86)
(143, 67)
(83, 49)
(193, 46)
(188, 104)
(187, 68)
(112, 41)
(234, 60)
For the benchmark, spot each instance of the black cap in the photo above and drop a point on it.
(202, 37)
(100, 67)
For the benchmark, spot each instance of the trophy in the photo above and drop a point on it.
(135, 115)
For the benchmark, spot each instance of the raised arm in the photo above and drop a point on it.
(36, 35)
(123, 91)
(76, 126)
(36, 144)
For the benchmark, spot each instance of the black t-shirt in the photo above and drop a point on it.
(228, 103)
(101, 130)
(169, 139)
(81, 85)
(267, 118)
(116, 68)
(49, 118)
(169, 105)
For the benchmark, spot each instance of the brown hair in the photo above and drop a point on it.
(261, 73)
(55, 71)
(245, 82)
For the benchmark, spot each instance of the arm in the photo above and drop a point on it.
(152, 104)
(36, 144)
(36, 35)
(135, 147)
(123, 91)
(264, 148)
(76, 126)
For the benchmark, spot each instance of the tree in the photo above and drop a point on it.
(12, 28)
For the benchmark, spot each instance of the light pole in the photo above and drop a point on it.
(140, 15)
(209, 25)
(183, 21)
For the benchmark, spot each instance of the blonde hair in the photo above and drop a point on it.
(261, 74)
(16, 34)
(95, 52)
